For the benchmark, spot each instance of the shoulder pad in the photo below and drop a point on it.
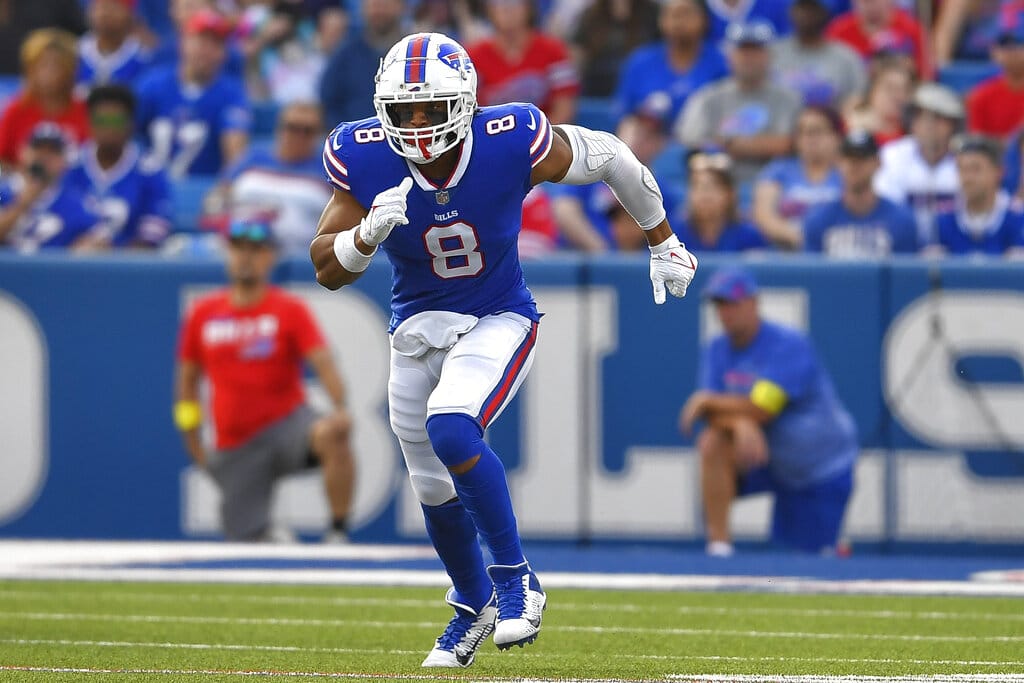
(348, 142)
(525, 122)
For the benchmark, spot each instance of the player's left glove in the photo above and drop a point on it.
(672, 267)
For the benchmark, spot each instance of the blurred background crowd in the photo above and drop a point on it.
(851, 128)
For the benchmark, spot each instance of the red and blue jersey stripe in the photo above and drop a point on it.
(496, 399)
(337, 171)
(416, 59)
(541, 143)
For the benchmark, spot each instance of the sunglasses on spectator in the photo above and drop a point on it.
(110, 120)
(255, 231)
(299, 128)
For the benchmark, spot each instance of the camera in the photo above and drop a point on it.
(38, 171)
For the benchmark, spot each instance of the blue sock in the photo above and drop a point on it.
(483, 489)
(453, 534)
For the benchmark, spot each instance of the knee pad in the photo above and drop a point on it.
(408, 427)
(430, 479)
(455, 437)
(406, 414)
(431, 490)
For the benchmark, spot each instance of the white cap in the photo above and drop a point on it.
(938, 99)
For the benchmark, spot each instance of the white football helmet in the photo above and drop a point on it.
(426, 67)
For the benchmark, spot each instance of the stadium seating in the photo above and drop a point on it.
(962, 76)
(595, 113)
(264, 118)
(188, 201)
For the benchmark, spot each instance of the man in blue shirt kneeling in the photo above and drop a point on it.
(773, 423)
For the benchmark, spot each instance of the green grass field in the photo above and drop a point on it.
(159, 632)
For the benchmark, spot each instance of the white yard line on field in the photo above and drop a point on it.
(284, 621)
(930, 678)
(302, 674)
(676, 678)
(547, 655)
(127, 561)
(438, 579)
(127, 596)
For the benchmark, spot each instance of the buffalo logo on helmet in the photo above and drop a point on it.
(454, 56)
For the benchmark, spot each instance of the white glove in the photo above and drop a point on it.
(387, 211)
(673, 267)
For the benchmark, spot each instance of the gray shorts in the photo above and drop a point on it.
(246, 475)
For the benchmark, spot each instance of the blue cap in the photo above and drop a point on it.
(252, 229)
(751, 33)
(732, 283)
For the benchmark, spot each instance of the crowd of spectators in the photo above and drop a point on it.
(784, 125)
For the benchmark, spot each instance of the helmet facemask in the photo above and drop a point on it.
(449, 123)
(439, 78)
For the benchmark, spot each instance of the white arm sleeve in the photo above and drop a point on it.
(597, 155)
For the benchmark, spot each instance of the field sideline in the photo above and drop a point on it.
(198, 612)
(76, 631)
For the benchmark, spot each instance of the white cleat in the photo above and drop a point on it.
(521, 603)
(467, 630)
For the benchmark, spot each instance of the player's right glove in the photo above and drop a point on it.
(387, 211)
(673, 267)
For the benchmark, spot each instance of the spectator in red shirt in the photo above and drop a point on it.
(995, 107)
(520, 64)
(874, 26)
(251, 341)
(539, 236)
(49, 60)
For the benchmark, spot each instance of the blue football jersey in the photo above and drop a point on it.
(994, 233)
(56, 220)
(721, 15)
(649, 83)
(887, 229)
(133, 197)
(459, 251)
(124, 66)
(182, 124)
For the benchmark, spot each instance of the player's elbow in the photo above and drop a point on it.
(329, 272)
(329, 275)
(329, 280)
(328, 284)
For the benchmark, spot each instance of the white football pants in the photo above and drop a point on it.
(477, 376)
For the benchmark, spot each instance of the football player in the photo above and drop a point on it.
(463, 322)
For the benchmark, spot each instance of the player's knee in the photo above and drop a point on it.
(454, 437)
(430, 490)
